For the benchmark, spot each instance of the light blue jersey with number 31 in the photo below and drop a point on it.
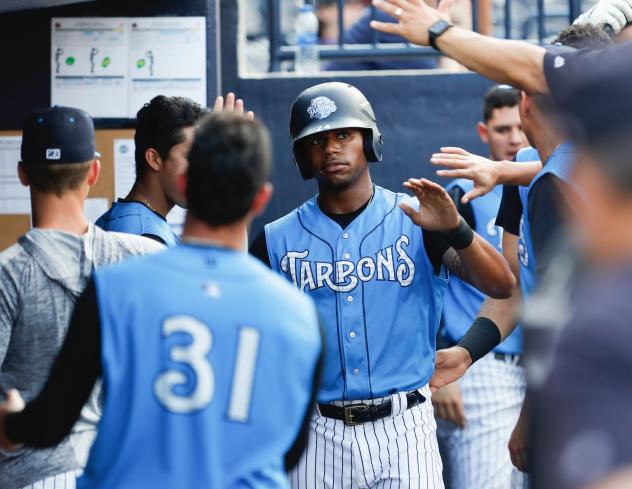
(208, 361)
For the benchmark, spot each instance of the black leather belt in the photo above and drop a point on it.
(354, 414)
(509, 357)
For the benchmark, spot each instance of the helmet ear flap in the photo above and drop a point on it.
(303, 169)
(373, 145)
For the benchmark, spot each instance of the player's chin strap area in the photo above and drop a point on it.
(354, 414)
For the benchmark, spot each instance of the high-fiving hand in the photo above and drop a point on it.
(232, 104)
(415, 17)
(436, 210)
(613, 13)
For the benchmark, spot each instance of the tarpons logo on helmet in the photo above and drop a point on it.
(321, 108)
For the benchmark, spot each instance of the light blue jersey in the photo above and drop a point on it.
(208, 360)
(462, 301)
(136, 218)
(375, 290)
(559, 164)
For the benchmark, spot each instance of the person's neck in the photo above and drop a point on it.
(332, 201)
(148, 191)
(231, 236)
(65, 213)
(546, 141)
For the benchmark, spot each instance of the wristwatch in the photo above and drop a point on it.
(437, 29)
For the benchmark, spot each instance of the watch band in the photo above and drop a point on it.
(436, 30)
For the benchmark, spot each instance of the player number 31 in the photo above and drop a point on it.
(195, 355)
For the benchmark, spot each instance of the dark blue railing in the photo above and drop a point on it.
(375, 50)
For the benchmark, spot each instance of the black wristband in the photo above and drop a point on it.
(461, 237)
(482, 337)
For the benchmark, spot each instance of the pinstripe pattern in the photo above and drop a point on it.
(399, 451)
(477, 457)
(65, 480)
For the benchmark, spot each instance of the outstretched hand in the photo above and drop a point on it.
(450, 365)
(232, 104)
(415, 17)
(12, 404)
(436, 210)
(461, 164)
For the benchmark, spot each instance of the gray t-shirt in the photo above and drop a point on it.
(41, 276)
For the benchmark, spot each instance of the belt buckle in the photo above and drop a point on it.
(350, 412)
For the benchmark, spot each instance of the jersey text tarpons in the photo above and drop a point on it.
(391, 264)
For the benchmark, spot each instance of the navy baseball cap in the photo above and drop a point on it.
(598, 103)
(58, 135)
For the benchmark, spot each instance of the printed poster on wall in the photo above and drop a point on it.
(110, 67)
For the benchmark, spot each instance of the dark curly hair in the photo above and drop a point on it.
(159, 126)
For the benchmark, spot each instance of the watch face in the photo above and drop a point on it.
(438, 27)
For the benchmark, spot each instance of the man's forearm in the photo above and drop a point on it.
(516, 63)
(483, 267)
(511, 173)
(503, 312)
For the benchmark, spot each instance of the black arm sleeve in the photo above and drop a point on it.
(259, 248)
(293, 455)
(510, 210)
(546, 217)
(49, 418)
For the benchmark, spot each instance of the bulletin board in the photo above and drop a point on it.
(14, 225)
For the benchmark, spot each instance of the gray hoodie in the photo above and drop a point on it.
(41, 277)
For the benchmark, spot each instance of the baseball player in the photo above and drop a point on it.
(164, 131)
(41, 277)
(199, 391)
(376, 264)
(532, 216)
(480, 411)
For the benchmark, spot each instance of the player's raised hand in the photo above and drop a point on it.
(448, 404)
(12, 404)
(415, 17)
(232, 104)
(450, 365)
(436, 210)
(483, 172)
(615, 14)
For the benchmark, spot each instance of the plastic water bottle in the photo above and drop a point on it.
(306, 60)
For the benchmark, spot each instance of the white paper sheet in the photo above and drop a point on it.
(89, 65)
(167, 56)
(14, 197)
(124, 167)
(94, 208)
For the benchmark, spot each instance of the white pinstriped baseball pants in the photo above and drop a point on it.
(398, 451)
(65, 480)
(477, 457)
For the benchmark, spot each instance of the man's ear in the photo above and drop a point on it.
(93, 174)
(525, 104)
(24, 179)
(483, 133)
(261, 199)
(153, 159)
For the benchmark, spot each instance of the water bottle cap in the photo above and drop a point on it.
(307, 8)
